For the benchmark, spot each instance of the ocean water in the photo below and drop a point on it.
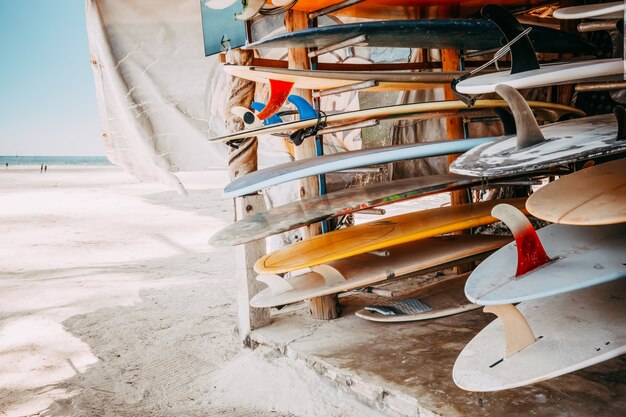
(54, 160)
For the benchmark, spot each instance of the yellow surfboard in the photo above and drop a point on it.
(590, 197)
(380, 234)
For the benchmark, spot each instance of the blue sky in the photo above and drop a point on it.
(47, 91)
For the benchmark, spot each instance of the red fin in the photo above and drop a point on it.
(279, 91)
(530, 251)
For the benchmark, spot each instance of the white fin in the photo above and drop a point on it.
(331, 275)
(276, 284)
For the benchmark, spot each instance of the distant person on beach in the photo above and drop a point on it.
(45, 168)
(41, 169)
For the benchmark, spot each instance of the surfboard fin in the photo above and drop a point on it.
(256, 106)
(279, 91)
(528, 132)
(305, 110)
(620, 115)
(508, 122)
(530, 251)
(517, 331)
(276, 284)
(331, 275)
(523, 56)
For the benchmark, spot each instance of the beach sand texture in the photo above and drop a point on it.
(113, 304)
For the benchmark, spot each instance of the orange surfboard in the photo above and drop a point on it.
(379, 234)
(388, 9)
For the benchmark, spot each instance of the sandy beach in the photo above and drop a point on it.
(113, 304)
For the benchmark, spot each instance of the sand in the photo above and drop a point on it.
(113, 304)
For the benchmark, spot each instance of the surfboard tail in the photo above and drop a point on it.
(530, 251)
(279, 91)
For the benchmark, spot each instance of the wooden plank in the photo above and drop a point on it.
(243, 160)
(454, 125)
(325, 307)
(450, 61)
(250, 318)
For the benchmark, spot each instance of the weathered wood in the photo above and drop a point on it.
(243, 160)
(454, 125)
(298, 59)
(247, 286)
(326, 307)
(450, 61)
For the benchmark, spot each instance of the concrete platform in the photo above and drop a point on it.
(405, 369)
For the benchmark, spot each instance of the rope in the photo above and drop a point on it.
(469, 100)
(298, 136)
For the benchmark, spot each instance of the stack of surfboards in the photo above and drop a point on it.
(567, 290)
(557, 292)
(571, 295)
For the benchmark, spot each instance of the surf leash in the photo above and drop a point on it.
(466, 98)
(298, 136)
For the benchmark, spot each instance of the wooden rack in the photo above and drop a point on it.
(300, 58)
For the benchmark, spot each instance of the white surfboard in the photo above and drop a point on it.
(366, 269)
(565, 142)
(291, 171)
(570, 332)
(613, 10)
(582, 256)
(219, 4)
(548, 74)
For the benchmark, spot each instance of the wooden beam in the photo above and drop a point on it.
(326, 307)
(450, 61)
(243, 160)
(454, 125)
(250, 318)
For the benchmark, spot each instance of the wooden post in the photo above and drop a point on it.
(450, 61)
(243, 160)
(325, 307)
(246, 255)
(454, 125)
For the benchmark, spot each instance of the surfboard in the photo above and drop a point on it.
(400, 111)
(441, 299)
(375, 235)
(363, 270)
(580, 257)
(388, 9)
(291, 171)
(593, 196)
(546, 75)
(466, 34)
(324, 80)
(613, 10)
(567, 332)
(565, 142)
(312, 210)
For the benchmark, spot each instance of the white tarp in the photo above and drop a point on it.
(156, 90)
(160, 98)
